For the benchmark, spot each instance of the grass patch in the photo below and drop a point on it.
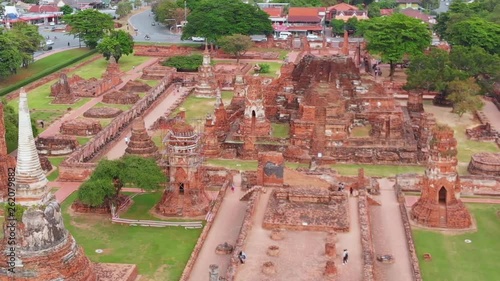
(452, 259)
(158, 137)
(466, 148)
(55, 161)
(361, 132)
(198, 108)
(105, 121)
(280, 130)
(376, 170)
(96, 68)
(273, 68)
(244, 165)
(123, 107)
(168, 247)
(42, 68)
(143, 203)
(282, 53)
(152, 83)
(83, 140)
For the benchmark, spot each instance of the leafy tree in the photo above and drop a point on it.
(301, 3)
(124, 8)
(89, 25)
(167, 9)
(185, 63)
(67, 10)
(374, 10)
(464, 95)
(116, 44)
(10, 55)
(476, 32)
(387, 4)
(137, 4)
(236, 45)
(395, 37)
(262, 68)
(477, 63)
(28, 39)
(352, 25)
(110, 176)
(216, 18)
(337, 26)
(11, 120)
(430, 72)
(190, 4)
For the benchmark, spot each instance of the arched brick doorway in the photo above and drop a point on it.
(442, 195)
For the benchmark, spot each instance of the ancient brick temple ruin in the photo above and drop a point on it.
(206, 85)
(185, 195)
(31, 183)
(61, 91)
(485, 163)
(140, 142)
(45, 248)
(7, 161)
(439, 204)
(330, 101)
(56, 145)
(80, 127)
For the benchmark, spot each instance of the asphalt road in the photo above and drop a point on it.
(62, 39)
(158, 33)
(442, 6)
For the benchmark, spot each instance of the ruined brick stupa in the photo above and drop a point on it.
(140, 142)
(439, 204)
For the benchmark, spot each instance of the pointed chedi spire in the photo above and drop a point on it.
(31, 182)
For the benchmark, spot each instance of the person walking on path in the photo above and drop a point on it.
(242, 257)
(232, 188)
(345, 257)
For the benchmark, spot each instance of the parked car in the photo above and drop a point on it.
(49, 42)
(153, 23)
(258, 38)
(312, 37)
(198, 39)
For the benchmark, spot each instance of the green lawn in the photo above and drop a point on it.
(467, 147)
(96, 68)
(280, 130)
(151, 83)
(43, 64)
(361, 132)
(198, 108)
(143, 203)
(244, 165)
(83, 140)
(55, 161)
(274, 67)
(455, 260)
(376, 170)
(105, 121)
(123, 107)
(157, 138)
(283, 53)
(159, 253)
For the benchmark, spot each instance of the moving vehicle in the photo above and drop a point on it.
(312, 36)
(153, 23)
(198, 39)
(49, 42)
(258, 38)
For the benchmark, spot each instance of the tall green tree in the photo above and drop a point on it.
(11, 57)
(338, 26)
(11, 122)
(213, 19)
(28, 39)
(67, 10)
(430, 71)
(168, 9)
(395, 37)
(464, 95)
(109, 177)
(90, 26)
(123, 8)
(235, 44)
(476, 32)
(116, 44)
(301, 3)
(137, 4)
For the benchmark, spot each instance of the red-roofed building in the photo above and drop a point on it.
(276, 14)
(343, 11)
(43, 9)
(302, 20)
(419, 15)
(386, 12)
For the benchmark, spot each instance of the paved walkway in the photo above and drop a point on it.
(118, 148)
(493, 114)
(411, 199)
(226, 227)
(389, 236)
(353, 270)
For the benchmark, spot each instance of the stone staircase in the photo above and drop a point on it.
(248, 193)
(442, 216)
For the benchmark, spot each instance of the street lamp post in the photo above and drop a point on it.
(185, 11)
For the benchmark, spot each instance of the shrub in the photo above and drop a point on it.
(185, 63)
(264, 68)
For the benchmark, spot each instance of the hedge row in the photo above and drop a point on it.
(44, 73)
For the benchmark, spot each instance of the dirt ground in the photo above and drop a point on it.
(295, 178)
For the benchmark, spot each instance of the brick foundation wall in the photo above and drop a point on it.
(417, 275)
(366, 237)
(245, 230)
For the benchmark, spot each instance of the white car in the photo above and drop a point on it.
(198, 39)
(49, 42)
(312, 37)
